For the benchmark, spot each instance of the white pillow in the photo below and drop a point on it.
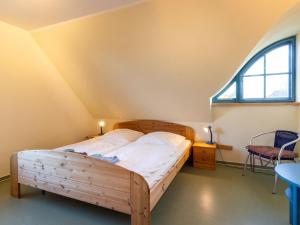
(123, 134)
(161, 138)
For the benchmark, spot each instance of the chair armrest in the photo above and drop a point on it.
(284, 146)
(261, 134)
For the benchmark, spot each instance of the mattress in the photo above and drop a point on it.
(149, 160)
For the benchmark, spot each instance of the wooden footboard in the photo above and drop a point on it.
(90, 180)
(83, 178)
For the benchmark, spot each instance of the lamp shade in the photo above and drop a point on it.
(101, 123)
(208, 130)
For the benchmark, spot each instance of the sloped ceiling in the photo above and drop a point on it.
(33, 14)
(159, 59)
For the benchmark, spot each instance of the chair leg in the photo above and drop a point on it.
(275, 184)
(261, 162)
(274, 163)
(250, 162)
(245, 165)
(253, 164)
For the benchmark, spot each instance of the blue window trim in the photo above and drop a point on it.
(291, 41)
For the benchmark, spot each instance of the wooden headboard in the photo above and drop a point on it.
(147, 126)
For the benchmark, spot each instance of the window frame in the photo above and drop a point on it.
(291, 41)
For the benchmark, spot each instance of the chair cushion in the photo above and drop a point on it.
(271, 152)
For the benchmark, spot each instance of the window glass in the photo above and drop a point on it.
(253, 87)
(277, 61)
(277, 86)
(257, 68)
(230, 93)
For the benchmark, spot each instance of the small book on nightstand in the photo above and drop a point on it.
(204, 155)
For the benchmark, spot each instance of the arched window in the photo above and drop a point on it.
(269, 76)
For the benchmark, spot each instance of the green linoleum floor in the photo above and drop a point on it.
(196, 197)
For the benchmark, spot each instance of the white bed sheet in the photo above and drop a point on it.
(149, 160)
(98, 145)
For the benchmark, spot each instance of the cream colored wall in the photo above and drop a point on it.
(298, 127)
(297, 69)
(38, 108)
(159, 59)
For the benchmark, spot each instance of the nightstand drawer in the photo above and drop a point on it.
(204, 157)
(203, 154)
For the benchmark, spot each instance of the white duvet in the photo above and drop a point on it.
(104, 144)
(152, 161)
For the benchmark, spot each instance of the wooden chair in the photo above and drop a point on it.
(283, 149)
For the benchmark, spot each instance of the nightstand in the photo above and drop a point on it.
(204, 155)
(91, 137)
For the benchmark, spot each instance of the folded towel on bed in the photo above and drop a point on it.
(73, 151)
(68, 150)
(113, 159)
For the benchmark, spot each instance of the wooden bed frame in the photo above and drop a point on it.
(94, 181)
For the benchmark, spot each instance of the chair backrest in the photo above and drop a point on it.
(282, 137)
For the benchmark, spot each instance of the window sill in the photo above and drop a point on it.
(257, 104)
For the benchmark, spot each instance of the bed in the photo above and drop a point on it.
(96, 181)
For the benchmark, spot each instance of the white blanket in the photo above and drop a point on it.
(152, 161)
(149, 160)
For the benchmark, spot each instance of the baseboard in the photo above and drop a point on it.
(4, 178)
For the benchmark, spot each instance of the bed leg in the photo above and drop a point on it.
(15, 189)
(140, 200)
